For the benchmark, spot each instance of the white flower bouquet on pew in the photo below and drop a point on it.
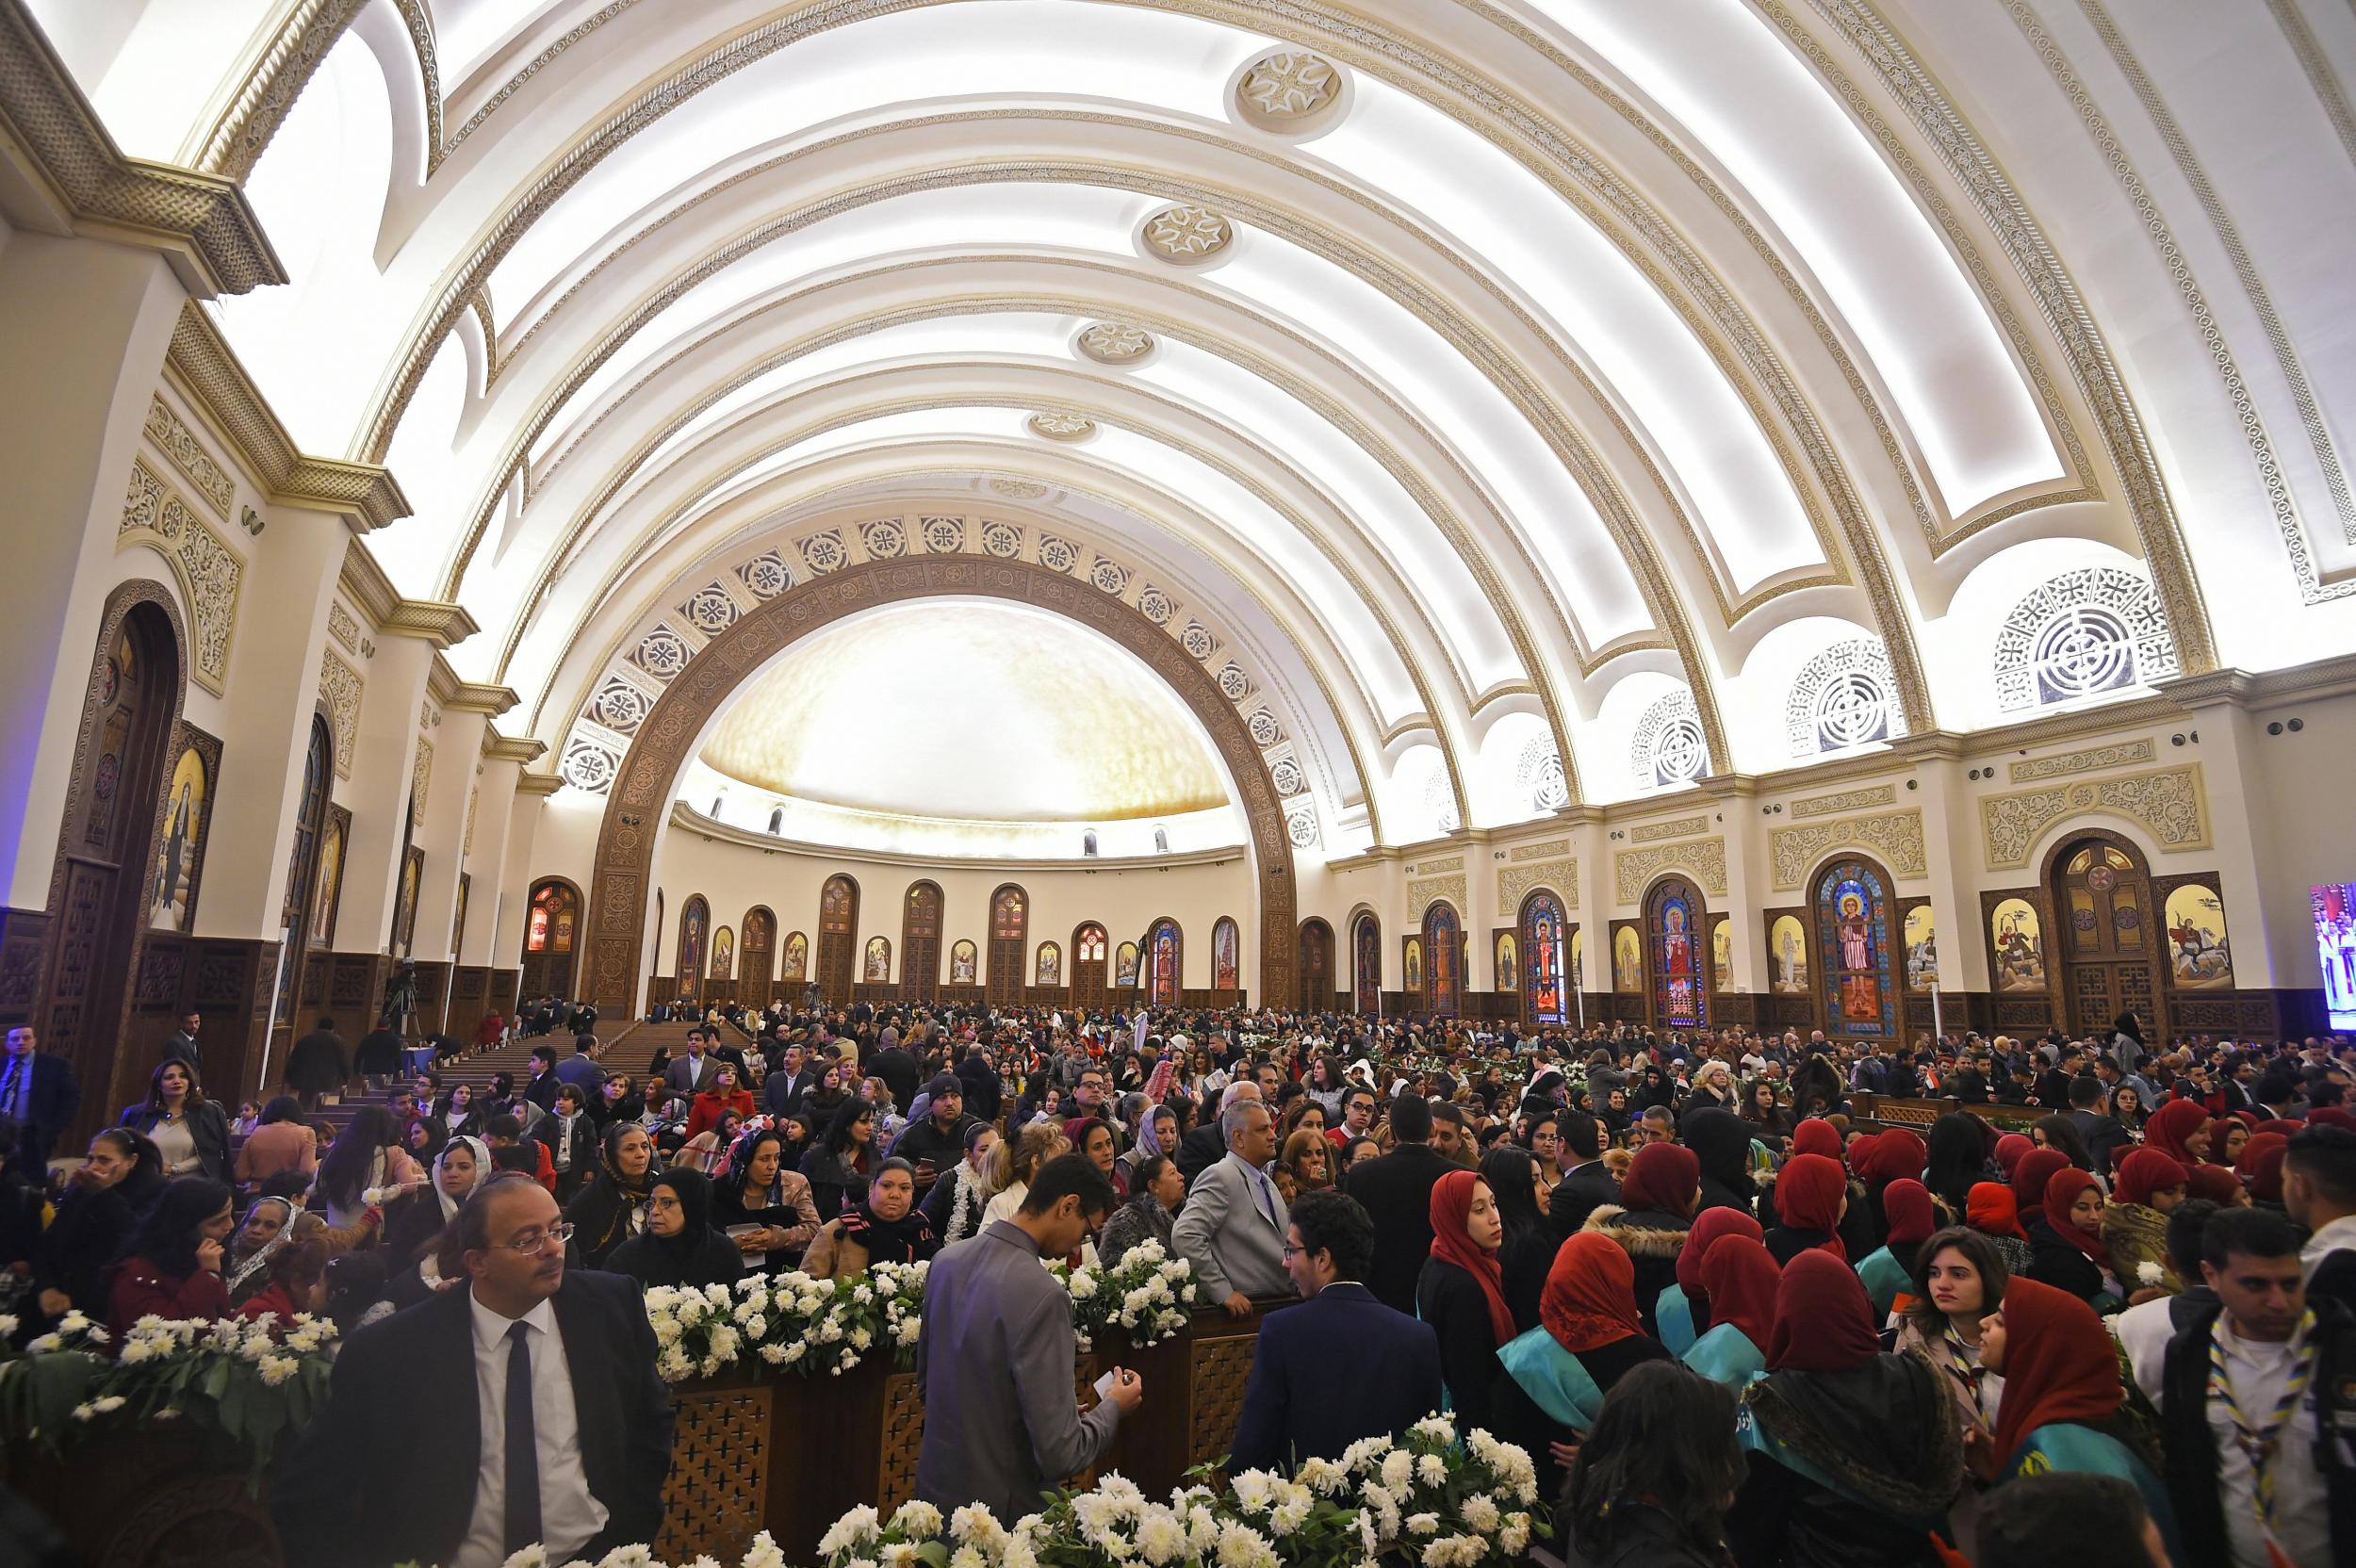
(1149, 1296)
(252, 1383)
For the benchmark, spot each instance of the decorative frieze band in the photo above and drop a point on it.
(340, 684)
(2090, 760)
(1550, 849)
(2171, 802)
(1420, 894)
(1683, 828)
(1896, 836)
(1704, 860)
(1515, 883)
(174, 438)
(1845, 800)
(155, 514)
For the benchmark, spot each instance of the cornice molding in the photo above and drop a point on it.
(467, 696)
(201, 364)
(72, 179)
(517, 748)
(684, 815)
(442, 625)
(541, 784)
(366, 585)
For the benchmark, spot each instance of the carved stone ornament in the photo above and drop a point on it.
(340, 684)
(341, 627)
(1896, 836)
(1062, 425)
(1845, 800)
(1704, 860)
(1114, 342)
(2172, 803)
(1187, 235)
(2090, 760)
(420, 781)
(1017, 490)
(1545, 849)
(1421, 894)
(209, 570)
(1653, 832)
(174, 438)
(1515, 881)
(1285, 89)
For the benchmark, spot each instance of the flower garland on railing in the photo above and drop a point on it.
(1424, 1497)
(251, 1381)
(825, 1328)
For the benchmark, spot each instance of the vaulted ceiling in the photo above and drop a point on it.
(1530, 400)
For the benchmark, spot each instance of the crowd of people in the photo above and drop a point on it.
(1732, 1320)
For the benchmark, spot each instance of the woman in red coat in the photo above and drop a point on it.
(170, 1266)
(704, 1112)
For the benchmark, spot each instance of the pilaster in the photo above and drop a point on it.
(384, 754)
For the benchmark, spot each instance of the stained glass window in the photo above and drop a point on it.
(1852, 937)
(1543, 941)
(1681, 1000)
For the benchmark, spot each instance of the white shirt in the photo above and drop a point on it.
(570, 1518)
(2143, 1331)
(2339, 1236)
(2259, 1371)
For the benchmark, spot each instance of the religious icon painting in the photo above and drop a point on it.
(2016, 940)
(1125, 964)
(794, 966)
(1050, 964)
(1541, 958)
(1786, 956)
(1444, 948)
(1672, 915)
(1414, 967)
(878, 966)
(1578, 959)
(1922, 949)
(723, 954)
(1509, 966)
(329, 887)
(180, 854)
(1852, 932)
(1164, 971)
(1627, 961)
(1722, 955)
(1225, 974)
(2199, 956)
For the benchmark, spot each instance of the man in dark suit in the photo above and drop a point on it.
(41, 1092)
(690, 1075)
(1207, 1144)
(1396, 1190)
(900, 1074)
(1298, 1405)
(183, 1045)
(791, 1078)
(1587, 1183)
(522, 1407)
(984, 1089)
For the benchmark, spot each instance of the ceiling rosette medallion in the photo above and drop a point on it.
(1290, 92)
(1186, 236)
(1116, 343)
(1060, 425)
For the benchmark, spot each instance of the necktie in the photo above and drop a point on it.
(9, 1088)
(1266, 1195)
(523, 1447)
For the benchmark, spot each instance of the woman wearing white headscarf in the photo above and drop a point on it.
(414, 1224)
(260, 1235)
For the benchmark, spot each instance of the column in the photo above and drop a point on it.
(384, 754)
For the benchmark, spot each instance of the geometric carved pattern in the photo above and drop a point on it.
(420, 779)
(1287, 776)
(1846, 800)
(637, 771)
(1002, 540)
(1265, 729)
(942, 535)
(903, 1437)
(1420, 894)
(339, 683)
(1018, 490)
(178, 442)
(716, 1496)
(341, 627)
(1538, 774)
(1896, 836)
(2081, 761)
(2094, 629)
(209, 571)
(1187, 235)
(1843, 697)
(1115, 342)
(1062, 425)
(709, 609)
(1548, 850)
(1439, 798)
(1109, 576)
(1232, 681)
(1196, 640)
(1221, 1367)
(765, 575)
(620, 706)
(1156, 605)
(823, 553)
(1653, 832)
(1705, 858)
(2169, 801)
(662, 653)
(883, 538)
(1300, 824)
(1514, 882)
(1670, 747)
(1286, 87)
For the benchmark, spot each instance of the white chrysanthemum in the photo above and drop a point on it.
(277, 1370)
(918, 1518)
(901, 1555)
(626, 1556)
(1515, 1533)
(533, 1556)
(856, 1529)
(976, 1525)
(765, 1553)
(1480, 1512)
(1254, 1490)
(1398, 1472)
(1242, 1546)
(1423, 1523)
(1439, 1428)
(966, 1557)
(1431, 1470)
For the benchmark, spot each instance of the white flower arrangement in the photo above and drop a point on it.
(252, 1382)
(1149, 1296)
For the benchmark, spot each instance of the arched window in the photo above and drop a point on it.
(1315, 976)
(2095, 630)
(838, 937)
(1544, 935)
(1443, 960)
(1010, 927)
(920, 944)
(1163, 952)
(1226, 968)
(555, 908)
(1088, 944)
(1673, 923)
(1365, 974)
(1669, 748)
(695, 931)
(1843, 698)
(1853, 946)
(1538, 773)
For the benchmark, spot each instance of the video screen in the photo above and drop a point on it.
(2335, 943)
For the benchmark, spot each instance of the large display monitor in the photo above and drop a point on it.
(2335, 944)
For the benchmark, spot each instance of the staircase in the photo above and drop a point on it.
(515, 1058)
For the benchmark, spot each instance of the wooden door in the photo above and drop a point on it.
(2111, 941)
(838, 940)
(1089, 947)
(920, 944)
(1314, 968)
(1009, 928)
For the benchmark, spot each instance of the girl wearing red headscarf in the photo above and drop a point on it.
(2260, 1168)
(1462, 1294)
(2134, 1226)
(2215, 1184)
(1684, 1310)
(1888, 1270)
(2029, 1177)
(2009, 1149)
(2062, 1398)
(2227, 1136)
(1742, 1279)
(1854, 1458)
(1587, 1338)
(1649, 1223)
(1810, 1195)
(2066, 1242)
(2179, 1128)
(1992, 1211)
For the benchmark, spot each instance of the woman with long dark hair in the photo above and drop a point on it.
(762, 1205)
(457, 1111)
(1652, 1483)
(192, 1132)
(613, 1207)
(171, 1265)
(367, 1157)
(102, 1202)
(1854, 1458)
(1959, 1279)
(1766, 1116)
(281, 1141)
(1527, 1250)
(679, 1245)
(2059, 1134)
(839, 1165)
(1957, 1158)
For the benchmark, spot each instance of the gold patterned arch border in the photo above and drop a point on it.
(1703, 860)
(2169, 804)
(1895, 838)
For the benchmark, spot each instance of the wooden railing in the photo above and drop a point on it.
(1888, 1111)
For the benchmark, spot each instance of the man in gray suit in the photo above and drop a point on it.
(994, 1364)
(1233, 1227)
(690, 1075)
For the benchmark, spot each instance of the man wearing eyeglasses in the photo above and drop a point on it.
(522, 1407)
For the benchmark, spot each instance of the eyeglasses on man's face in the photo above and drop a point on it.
(537, 1241)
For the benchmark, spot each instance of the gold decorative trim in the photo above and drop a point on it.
(59, 144)
(541, 784)
(1846, 800)
(208, 570)
(1515, 883)
(341, 686)
(442, 625)
(1704, 860)
(236, 143)
(2227, 233)
(204, 369)
(473, 696)
(1423, 893)
(170, 435)
(2081, 761)
(1683, 828)
(341, 627)
(1545, 849)
(2171, 802)
(1432, 868)
(1895, 836)
(513, 748)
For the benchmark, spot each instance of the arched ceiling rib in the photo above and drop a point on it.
(1577, 341)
